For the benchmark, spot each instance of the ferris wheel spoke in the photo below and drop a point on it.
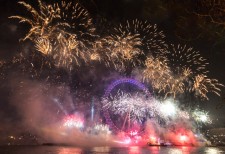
(124, 122)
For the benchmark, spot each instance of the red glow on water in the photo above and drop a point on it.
(134, 150)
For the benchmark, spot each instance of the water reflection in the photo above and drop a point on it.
(213, 151)
(134, 150)
(175, 151)
(101, 149)
(171, 150)
(109, 150)
(154, 149)
(69, 150)
(187, 150)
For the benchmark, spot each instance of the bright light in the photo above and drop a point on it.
(152, 139)
(168, 108)
(127, 141)
(73, 121)
(133, 133)
(183, 138)
(203, 118)
(100, 128)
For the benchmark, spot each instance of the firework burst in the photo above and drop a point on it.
(185, 64)
(189, 73)
(71, 121)
(127, 43)
(117, 51)
(152, 40)
(126, 105)
(201, 116)
(203, 85)
(183, 60)
(157, 73)
(182, 70)
(124, 48)
(60, 30)
(101, 52)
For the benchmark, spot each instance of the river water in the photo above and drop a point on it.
(110, 150)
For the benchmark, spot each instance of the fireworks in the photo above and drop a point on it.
(64, 35)
(185, 64)
(201, 116)
(124, 47)
(152, 40)
(73, 121)
(41, 22)
(203, 85)
(127, 42)
(101, 52)
(126, 105)
(157, 73)
(182, 58)
(168, 108)
(59, 30)
(43, 45)
(63, 31)
(101, 129)
(182, 70)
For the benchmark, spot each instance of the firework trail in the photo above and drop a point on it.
(60, 30)
(211, 9)
(203, 85)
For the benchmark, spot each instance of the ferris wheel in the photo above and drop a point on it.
(127, 103)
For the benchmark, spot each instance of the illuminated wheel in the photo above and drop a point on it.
(127, 104)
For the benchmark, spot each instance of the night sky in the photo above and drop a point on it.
(177, 19)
